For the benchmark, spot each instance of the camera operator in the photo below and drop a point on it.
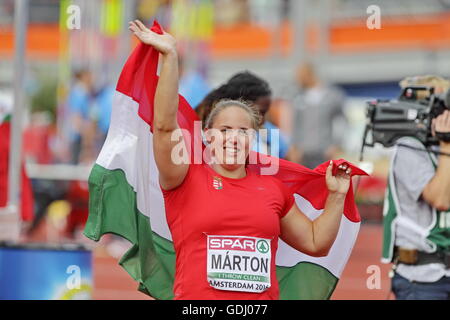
(417, 211)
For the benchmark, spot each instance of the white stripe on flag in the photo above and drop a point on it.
(129, 147)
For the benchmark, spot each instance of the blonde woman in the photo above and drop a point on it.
(225, 205)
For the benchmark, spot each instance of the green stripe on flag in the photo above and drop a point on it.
(151, 259)
(305, 281)
(7, 118)
(112, 209)
(389, 216)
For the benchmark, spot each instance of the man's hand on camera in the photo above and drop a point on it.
(442, 125)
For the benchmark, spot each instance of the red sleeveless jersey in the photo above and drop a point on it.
(225, 233)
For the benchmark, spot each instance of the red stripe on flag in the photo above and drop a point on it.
(26, 195)
(139, 80)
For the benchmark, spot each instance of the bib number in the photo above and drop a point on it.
(238, 263)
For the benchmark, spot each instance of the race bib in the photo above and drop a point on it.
(238, 263)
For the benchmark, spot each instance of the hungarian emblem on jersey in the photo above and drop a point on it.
(217, 183)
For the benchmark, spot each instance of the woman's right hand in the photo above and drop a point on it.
(164, 43)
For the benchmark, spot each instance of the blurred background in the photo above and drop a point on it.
(310, 52)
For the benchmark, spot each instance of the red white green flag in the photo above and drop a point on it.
(125, 197)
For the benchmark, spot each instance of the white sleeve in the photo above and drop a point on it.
(412, 168)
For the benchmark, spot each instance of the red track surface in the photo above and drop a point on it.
(367, 252)
(112, 282)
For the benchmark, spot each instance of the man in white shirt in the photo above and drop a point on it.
(417, 214)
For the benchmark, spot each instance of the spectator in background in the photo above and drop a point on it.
(316, 109)
(80, 114)
(247, 86)
(103, 108)
(37, 138)
(193, 86)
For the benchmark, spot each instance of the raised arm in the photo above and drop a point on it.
(315, 238)
(165, 123)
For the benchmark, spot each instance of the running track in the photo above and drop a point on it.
(112, 282)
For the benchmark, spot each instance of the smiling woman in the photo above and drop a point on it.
(225, 200)
(229, 130)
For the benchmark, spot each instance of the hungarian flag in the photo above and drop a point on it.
(26, 195)
(126, 200)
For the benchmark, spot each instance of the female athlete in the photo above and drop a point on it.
(225, 219)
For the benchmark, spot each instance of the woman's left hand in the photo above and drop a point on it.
(341, 181)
